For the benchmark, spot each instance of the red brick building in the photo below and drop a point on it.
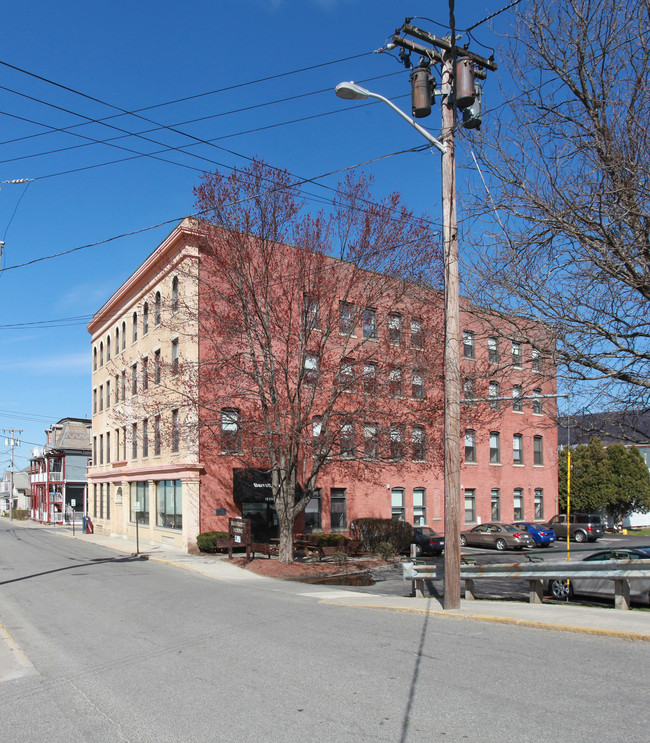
(340, 365)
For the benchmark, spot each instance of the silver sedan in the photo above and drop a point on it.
(499, 536)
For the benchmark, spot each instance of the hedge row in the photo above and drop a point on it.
(375, 532)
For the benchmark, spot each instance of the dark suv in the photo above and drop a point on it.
(585, 527)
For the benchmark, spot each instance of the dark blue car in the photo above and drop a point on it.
(542, 535)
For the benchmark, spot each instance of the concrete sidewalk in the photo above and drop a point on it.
(634, 625)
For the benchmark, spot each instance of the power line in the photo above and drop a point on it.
(176, 220)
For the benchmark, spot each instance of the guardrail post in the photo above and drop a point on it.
(535, 591)
(470, 590)
(417, 588)
(621, 593)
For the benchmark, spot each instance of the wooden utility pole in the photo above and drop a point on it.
(12, 442)
(443, 51)
(452, 385)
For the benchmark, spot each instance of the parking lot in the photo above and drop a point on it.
(388, 581)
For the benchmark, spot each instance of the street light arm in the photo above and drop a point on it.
(352, 91)
(429, 137)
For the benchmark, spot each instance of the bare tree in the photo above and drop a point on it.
(293, 315)
(566, 161)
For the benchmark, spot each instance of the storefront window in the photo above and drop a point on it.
(140, 495)
(169, 504)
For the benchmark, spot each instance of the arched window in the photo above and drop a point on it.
(95, 358)
(108, 348)
(101, 355)
(175, 294)
(123, 335)
(135, 327)
(145, 318)
(157, 309)
(117, 340)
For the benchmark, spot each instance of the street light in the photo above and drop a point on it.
(352, 91)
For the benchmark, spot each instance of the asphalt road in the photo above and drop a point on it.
(123, 649)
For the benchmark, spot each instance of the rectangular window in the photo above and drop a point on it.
(516, 354)
(470, 506)
(230, 432)
(396, 442)
(398, 512)
(311, 369)
(495, 447)
(117, 444)
(101, 500)
(94, 501)
(108, 393)
(314, 513)
(469, 393)
(124, 443)
(108, 448)
(156, 367)
(417, 385)
(494, 392)
(134, 441)
(175, 437)
(175, 356)
(537, 401)
(371, 441)
(145, 437)
(311, 312)
(495, 505)
(123, 385)
(139, 506)
(395, 382)
(395, 328)
(417, 333)
(370, 378)
(94, 402)
(518, 505)
(108, 501)
(419, 443)
(536, 360)
(338, 509)
(134, 379)
(517, 402)
(517, 449)
(117, 388)
(101, 448)
(145, 374)
(468, 344)
(493, 350)
(538, 450)
(347, 441)
(101, 397)
(370, 323)
(539, 504)
(346, 318)
(419, 506)
(169, 504)
(157, 436)
(470, 446)
(346, 374)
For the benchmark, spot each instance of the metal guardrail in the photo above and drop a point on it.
(620, 571)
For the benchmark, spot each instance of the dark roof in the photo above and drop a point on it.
(628, 427)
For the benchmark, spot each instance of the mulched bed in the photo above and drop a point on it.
(301, 570)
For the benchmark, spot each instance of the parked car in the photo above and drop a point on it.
(427, 541)
(499, 536)
(541, 534)
(585, 527)
(604, 587)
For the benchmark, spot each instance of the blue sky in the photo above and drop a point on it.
(72, 63)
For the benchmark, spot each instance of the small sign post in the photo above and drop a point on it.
(137, 508)
(239, 531)
(73, 503)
